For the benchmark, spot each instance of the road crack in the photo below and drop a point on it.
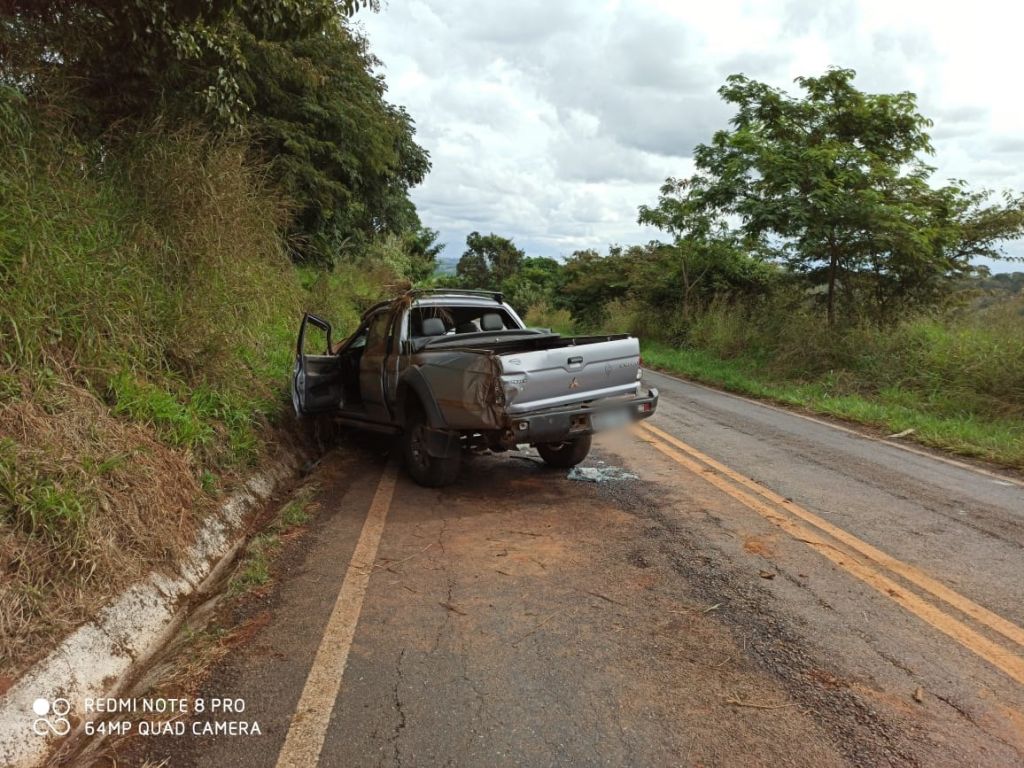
(449, 585)
(397, 699)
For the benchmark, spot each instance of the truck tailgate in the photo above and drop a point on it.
(585, 370)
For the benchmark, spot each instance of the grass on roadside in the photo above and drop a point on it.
(893, 409)
(254, 569)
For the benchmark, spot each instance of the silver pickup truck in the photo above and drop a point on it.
(450, 369)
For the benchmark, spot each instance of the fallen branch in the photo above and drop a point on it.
(388, 563)
(693, 608)
(603, 597)
(738, 702)
(539, 624)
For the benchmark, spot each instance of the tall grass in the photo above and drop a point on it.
(161, 257)
(147, 317)
(955, 378)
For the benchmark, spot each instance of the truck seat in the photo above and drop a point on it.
(433, 326)
(492, 322)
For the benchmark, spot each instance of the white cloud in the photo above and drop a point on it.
(552, 122)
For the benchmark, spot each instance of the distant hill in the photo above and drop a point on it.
(1011, 282)
(446, 264)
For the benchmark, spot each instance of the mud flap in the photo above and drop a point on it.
(441, 443)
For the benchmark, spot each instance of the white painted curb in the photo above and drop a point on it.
(98, 658)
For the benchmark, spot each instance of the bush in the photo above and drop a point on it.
(956, 378)
(546, 316)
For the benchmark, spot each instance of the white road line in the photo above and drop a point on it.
(998, 478)
(308, 729)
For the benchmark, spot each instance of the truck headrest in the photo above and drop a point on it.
(433, 326)
(492, 322)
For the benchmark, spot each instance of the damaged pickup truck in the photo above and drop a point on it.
(449, 369)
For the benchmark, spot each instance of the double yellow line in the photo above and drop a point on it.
(858, 558)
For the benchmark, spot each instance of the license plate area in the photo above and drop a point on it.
(611, 419)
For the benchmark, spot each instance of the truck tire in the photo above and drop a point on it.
(566, 454)
(426, 470)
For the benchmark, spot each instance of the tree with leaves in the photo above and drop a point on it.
(590, 281)
(534, 283)
(832, 184)
(423, 249)
(345, 156)
(291, 76)
(488, 261)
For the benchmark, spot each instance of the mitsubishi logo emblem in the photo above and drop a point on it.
(574, 384)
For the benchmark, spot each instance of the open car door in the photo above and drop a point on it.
(317, 385)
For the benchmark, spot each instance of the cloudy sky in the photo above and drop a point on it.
(551, 121)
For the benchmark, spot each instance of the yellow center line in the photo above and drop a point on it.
(308, 728)
(912, 574)
(1001, 658)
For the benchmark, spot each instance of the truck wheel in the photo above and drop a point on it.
(427, 470)
(566, 454)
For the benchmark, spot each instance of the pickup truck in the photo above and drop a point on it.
(448, 370)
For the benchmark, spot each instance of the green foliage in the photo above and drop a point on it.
(410, 257)
(590, 282)
(423, 250)
(488, 261)
(254, 570)
(959, 362)
(148, 311)
(342, 153)
(1008, 282)
(292, 77)
(666, 283)
(344, 293)
(178, 55)
(39, 505)
(535, 282)
(832, 185)
(936, 420)
(297, 510)
(173, 420)
(546, 316)
(109, 274)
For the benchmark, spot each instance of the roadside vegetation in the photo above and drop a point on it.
(813, 260)
(176, 187)
(254, 567)
(179, 182)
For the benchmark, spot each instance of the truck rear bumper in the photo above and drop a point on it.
(560, 424)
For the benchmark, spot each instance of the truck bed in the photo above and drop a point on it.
(574, 370)
(533, 371)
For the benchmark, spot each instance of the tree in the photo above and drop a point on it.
(685, 277)
(590, 281)
(423, 252)
(129, 56)
(337, 148)
(535, 283)
(488, 261)
(292, 76)
(832, 184)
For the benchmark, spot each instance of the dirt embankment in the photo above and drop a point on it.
(94, 502)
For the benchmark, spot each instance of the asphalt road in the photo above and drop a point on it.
(767, 590)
